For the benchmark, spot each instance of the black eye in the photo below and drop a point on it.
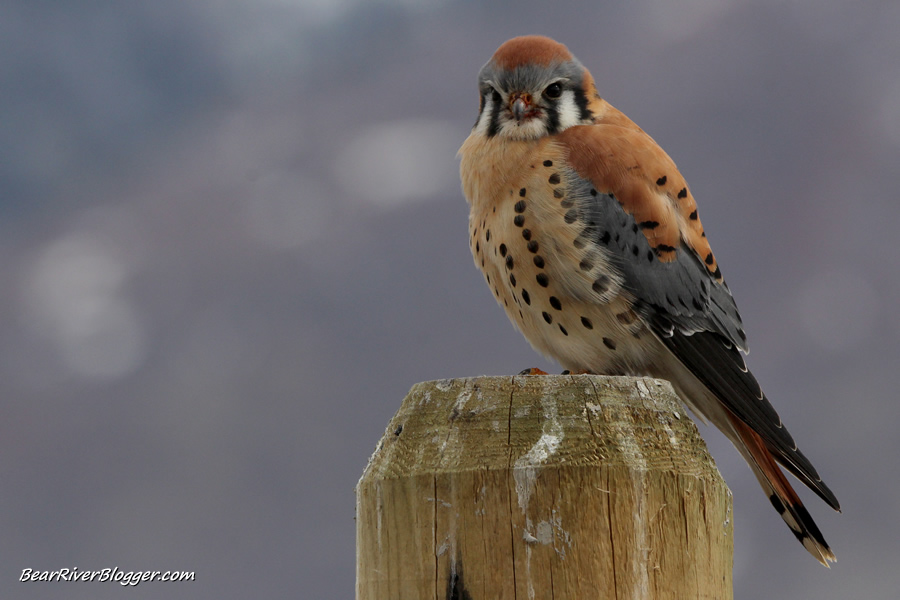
(553, 91)
(495, 96)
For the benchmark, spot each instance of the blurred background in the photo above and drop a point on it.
(232, 237)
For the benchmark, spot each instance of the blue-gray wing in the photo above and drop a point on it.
(692, 312)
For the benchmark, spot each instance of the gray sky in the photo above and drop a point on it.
(233, 238)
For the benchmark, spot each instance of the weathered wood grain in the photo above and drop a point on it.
(542, 487)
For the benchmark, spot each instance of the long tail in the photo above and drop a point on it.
(781, 494)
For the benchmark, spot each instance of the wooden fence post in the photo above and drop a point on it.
(542, 487)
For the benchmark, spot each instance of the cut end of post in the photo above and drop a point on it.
(581, 484)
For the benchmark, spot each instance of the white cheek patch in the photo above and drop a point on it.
(484, 121)
(569, 114)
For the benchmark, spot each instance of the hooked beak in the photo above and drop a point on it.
(520, 106)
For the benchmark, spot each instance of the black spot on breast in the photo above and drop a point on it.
(512, 280)
(626, 318)
(519, 221)
(526, 297)
(661, 180)
(526, 233)
(509, 262)
(587, 323)
(593, 192)
(555, 303)
(557, 193)
(682, 193)
(649, 255)
(547, 317)
(635, 250)
(609, 343)
(601, 284)
(532, 246)
(487, 278)
(542, 279)
(502, 249)
(578, 242)
(519, 206)
(522, 192)
(563, 329)
(548, 163)
(477, 247)
(571, 216)
(554, 179)
(693, 215)
(567, 203)
(539, 262)
(709, 259)
(605, 237)
(586, 264)
(487, 235)
(649, 224)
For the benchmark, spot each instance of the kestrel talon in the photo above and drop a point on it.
(589, 238)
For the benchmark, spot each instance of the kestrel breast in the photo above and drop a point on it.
(540, 253)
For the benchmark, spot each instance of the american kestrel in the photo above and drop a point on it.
(589, 238)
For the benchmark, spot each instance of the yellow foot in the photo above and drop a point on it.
(533, 371)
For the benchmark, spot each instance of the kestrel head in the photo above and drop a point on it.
(532, 87)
